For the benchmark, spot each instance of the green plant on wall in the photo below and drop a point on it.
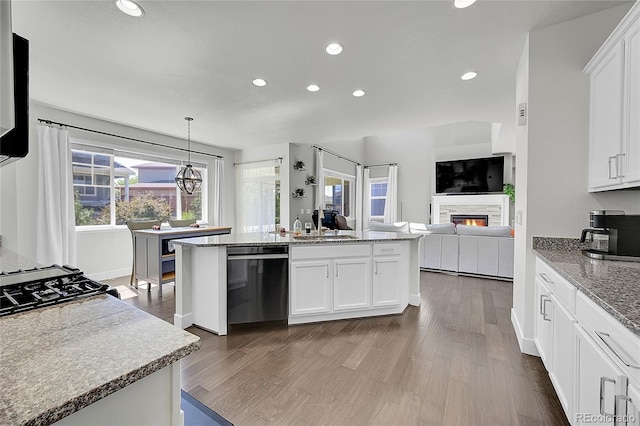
(510, 190)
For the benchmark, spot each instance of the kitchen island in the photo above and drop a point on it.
(92, 361)
(334, 276)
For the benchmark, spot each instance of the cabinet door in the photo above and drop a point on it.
(386, 281)
(562, 354)
(488, 256)
(632, 104)
(630, 408)
(351, 284)
(606, 120)
(597, 383)
(311, 287)
(543, 330)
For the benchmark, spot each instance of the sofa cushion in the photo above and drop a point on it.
(442, 228)
(389, 227)
(486, 231)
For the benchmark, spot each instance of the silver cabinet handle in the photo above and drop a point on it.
(602, 382)
(545, 278)
(544, 311)
(626, 400)
(387, 249)
(542, 296)
(327, 269)
(619, 173)
(336, 269)
(375, 267)
(609, 166)
(602, 336)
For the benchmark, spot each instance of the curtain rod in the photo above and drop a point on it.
(319, 148)
(125, 137)
(381, 165)
(259, 161)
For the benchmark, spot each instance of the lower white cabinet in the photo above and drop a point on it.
(561, 373)
(386, 281)
(598, 381)
(351, 283)
(313, 288)
(542, 336)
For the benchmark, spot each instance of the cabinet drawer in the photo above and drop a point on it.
(323, 251)
(387, 249)
(546, 274)
(616, 341)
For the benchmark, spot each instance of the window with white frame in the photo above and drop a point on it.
(258, 196)
(378, 197)
(112, 188)
(339, 192)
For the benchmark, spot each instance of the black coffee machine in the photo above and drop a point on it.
(614, 235)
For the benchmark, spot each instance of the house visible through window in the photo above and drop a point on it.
(338, 194)
(111, 190)
(378, 196)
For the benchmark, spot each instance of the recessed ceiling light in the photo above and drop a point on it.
(461, 4)
(260, 82)
(313, 87)
(130, 7)
(358, 93)
(469, 75)
(334, 49)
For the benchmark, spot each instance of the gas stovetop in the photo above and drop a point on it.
(23, 290)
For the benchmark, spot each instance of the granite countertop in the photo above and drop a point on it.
(59, 359)
(613, 285)
(183, 230)
(260, 238)
(10, 261)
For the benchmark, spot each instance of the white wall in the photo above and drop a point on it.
(552, 187)
(101, 254)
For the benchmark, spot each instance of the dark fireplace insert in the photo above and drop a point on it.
(470, 219)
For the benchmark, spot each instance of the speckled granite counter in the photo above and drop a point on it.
(57, 360)
(10, 261)
(614, 285)
(259, 238)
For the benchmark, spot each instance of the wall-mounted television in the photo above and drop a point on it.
(475, 175)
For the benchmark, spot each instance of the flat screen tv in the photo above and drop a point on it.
(476, 175)
(15, 143)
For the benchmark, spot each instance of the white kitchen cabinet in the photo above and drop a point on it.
(311, 287)
(386, 281)
(598, 381)
(630, 407)
(561, 356)
(614, 144)
(352, 284)
(543, 330)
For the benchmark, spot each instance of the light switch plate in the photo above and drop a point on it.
(522, 114)
(301, 211)
(308, 211)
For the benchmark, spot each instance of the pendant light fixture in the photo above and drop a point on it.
(189, 179)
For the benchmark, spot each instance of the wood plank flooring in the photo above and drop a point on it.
(452, 361)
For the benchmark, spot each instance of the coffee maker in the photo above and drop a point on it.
(614, 235)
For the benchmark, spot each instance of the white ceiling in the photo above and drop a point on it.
(198, 58)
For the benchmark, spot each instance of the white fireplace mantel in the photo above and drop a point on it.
(496, 206)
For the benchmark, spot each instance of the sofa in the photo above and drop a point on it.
(478, 250)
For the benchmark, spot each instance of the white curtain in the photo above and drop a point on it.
(55, 223)
(320, 179)
(218, 192)
(257, 184)
(391, 204)
(359, 198)
(366, 199)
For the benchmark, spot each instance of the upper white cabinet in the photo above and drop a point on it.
(614, 133)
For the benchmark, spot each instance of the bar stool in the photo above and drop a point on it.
(181, 223)
(136, 225)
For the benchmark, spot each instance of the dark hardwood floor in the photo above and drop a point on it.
(452, 361)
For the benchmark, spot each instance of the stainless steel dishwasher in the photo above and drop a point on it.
(257, 284)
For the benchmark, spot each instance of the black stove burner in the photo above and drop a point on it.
(29, 289)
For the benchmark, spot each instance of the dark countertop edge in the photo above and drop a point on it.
(628, 324)
(184, 242)
(55, 414)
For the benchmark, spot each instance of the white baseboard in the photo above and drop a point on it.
(183, 321)
(414, 299)
(100, 276)
(527, 346)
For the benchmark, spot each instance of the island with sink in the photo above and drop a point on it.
(332, 276)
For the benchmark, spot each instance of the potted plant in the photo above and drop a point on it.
(510, 190)
(299, 192)
(298, 165)
(311, 180)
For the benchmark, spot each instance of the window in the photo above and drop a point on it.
(378, 196)
(258, 196)
(338, 194)
(111, 189)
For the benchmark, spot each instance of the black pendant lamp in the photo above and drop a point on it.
(188, 178)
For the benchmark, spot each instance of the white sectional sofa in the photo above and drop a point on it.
(481, 250)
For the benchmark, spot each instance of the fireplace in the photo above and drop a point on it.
(470, 219)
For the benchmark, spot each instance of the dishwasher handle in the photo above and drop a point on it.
(257, 256)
